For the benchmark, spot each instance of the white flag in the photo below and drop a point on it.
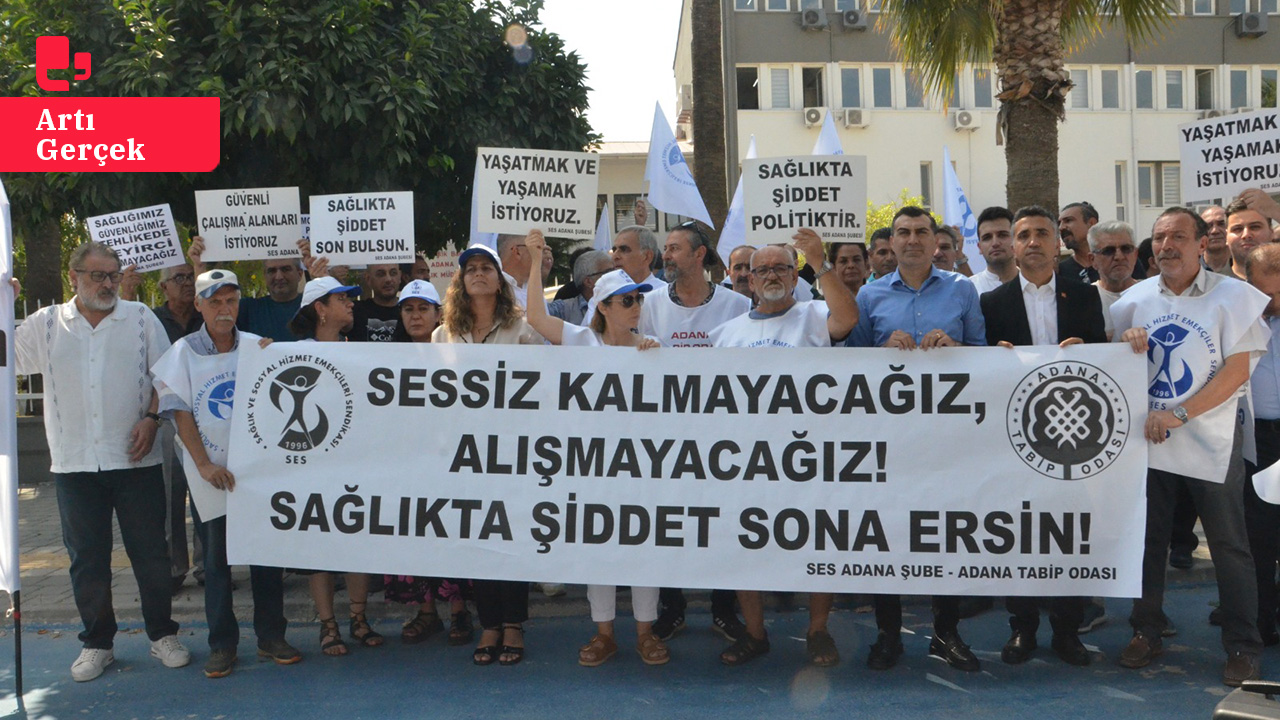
(476, 237)
(828, 141)
(604, 238)
(734, 233)
(9, 579)
(956, 211)
(671, 185)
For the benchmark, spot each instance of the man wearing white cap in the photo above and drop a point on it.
(196, 380)
(94, 353)
(779, 321)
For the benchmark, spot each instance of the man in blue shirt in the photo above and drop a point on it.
(918, 306)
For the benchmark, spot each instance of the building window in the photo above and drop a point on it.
(779, 88)
(601, 201)
(926, 185)
(882, 87)
(1202, 7)
(1119, 191)
(1174, 6)
(1110, 89)
(748, 88)
(1080, 91)
(777, 5)
(1144, 90)
(1173, 89)
(1204, 88)
(1159, 184)
(1239, 6)
(982, 95)
(811, 86)
(850, 87)
(842, 5)
(1270, 7)
(810, 4)
(624, 212)
(1269, 87)
(671, 221)
(744, 5)
(953, 100)
(915, 91)
(873, 6)
(1239, 88)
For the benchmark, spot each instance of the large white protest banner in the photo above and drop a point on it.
(362, 228)
(252, 224)
(551, 190)
(827, 193)
(9, 578)
(959, 471)
(145, 238)
(1224, 155)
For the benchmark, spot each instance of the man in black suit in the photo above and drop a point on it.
(1041, 307)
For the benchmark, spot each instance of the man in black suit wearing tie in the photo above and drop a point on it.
(1042, 307)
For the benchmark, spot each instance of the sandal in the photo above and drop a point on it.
(598, 651)
(461, 631)
(821, 648)
(360, 630)
(745, 650)
(423, 625)
(487, 654)
(331, 638)
(652, 650)
(511, 654)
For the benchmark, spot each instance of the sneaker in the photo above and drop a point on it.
(730, 627)
(91, 663)
(1095, 615)
(220, 663)
(552, 589)
(170, 652)
(279, 650)
(668, 624)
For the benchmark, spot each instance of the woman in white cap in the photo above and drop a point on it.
(419, 317)
(325, 316)
(616, 299)
(480, 307)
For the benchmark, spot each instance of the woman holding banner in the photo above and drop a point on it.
(616, 302)
(325, 315)
(480, 307)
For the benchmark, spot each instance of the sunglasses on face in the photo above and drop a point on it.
(627, 301)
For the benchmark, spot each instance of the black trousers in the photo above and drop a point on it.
(672, 599)
(1262, 521)
(501, 601)
(1065, 614)
(946, 614)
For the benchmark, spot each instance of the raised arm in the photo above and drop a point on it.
(551, 328)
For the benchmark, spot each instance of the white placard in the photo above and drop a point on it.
(362, 228)
(250, 224)
(145, 238)
(551, 190)
(957, 471)
(306, 226)
(1222, 156)
(826, 193)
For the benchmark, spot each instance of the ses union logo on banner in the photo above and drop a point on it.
(103, 134)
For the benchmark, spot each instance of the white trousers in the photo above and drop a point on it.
(604, 603)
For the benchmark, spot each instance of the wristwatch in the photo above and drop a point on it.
(1180, 413)
(826, 268)
(157, 418)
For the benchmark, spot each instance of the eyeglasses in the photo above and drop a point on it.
(99, 275)
(766, 271)
(182, 279)
(627, 301)
(1117, 250)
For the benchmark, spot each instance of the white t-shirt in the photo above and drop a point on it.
(1108, 299)
(802, 325)
(579, 336)
(678, 326)
(985, 281)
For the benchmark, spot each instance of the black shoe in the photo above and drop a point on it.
(730, 627)
(1180, 558)
(1071, 650)
(1270, 638)
(951, 648)
(1019, 648)
(668, 624)
(1215, 617)
(885, 653)
(177, 582)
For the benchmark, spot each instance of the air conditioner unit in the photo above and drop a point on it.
(813, 116)
(856, 117)
(1251, 24)
(965, 120)
(1206, 114)
(813, 19)
(853, 20)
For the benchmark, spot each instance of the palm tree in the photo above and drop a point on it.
(1027, 40)
(708, 113)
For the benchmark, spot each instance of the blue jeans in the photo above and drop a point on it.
(85, 503)
(268, 592)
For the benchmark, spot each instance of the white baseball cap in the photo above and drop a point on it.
(323, 286)
(478, 249)
(616, 282)
(214, 280)
(422, 290)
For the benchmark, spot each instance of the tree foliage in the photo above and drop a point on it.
(330, 95)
